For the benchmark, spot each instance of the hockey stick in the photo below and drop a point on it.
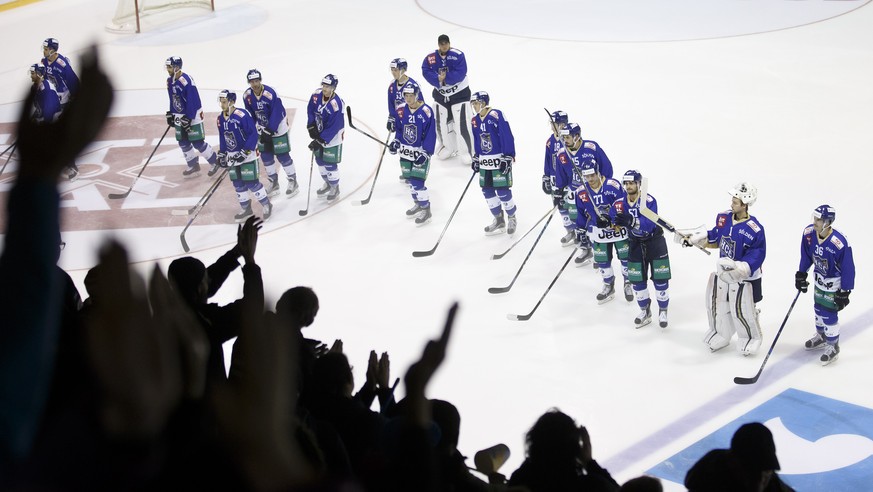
(501, 290)
(548, 214)
(205, 199)
(308, 188)
(525, 317)
(115, 196)
(9, 157)
(754, 379)
(378, 166)
(654, 217)
(196, 208)
(419, 254)
(352, 124)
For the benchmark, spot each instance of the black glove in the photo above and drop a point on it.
(236, 158)
(625, 219)
(421, 159)
(475, 164)
(841, 299)
(265, 136)
(313, 131)
(558, 199)
(602, 221)
(185, 122)
(390, 125)
(316, 145)
(171, 120)
(394, 146)
(800, 282)
(581, 237)
(547, 184)
(221, 159)
(506, 165)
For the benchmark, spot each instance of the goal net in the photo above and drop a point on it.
(130, 14)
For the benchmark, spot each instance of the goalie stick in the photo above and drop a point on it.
(654, 217)
(199, 207)
(754, 379)
(419, 254)
(525, 317)
(115, 196)
(548, 214)
(501, 290)
(378, 167)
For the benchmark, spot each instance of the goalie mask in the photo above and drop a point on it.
(745, 192)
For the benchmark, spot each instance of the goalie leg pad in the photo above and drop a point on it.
(717, 309)
(745, 318)
(461, 115)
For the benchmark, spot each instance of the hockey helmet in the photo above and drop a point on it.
(412, 88)
(746, 193)
(331, 80)
(632, 175)
(254, 74)
(175, 62)
(227, 94)
(481, 97)
(399, 64)
(572, 129)
(51, 43)
(37, 69)
(589, 167)
(560, 117)
(825, 213)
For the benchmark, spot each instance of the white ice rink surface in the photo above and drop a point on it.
(780, 100)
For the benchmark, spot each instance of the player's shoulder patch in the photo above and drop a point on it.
(248, 93)
(722, 218)
(427, 111)
(753, 225)
(431, 59)
(183, 81)
(650, 199)
(563, 159)
(808, 230)
(590, 145)
(334, 104)
(61, 61)
(456, 51)
(267, 95)
(494, 114)
(240, 112)
(400, 110)
(836, 241)
(613, 183)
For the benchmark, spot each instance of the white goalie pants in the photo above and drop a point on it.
(455, 135)
(731, 309)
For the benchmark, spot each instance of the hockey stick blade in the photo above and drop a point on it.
(303, 212)
(739, 380)
(116, 196)
(361, 202)
(754, 379)
(501, 255)
(180, 212)
(184, 243)
(419, 254)
(518, 317)
(499, 290)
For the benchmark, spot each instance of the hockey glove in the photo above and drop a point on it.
(390, 125)
(733, 272)
(394, 146)
(602, 221)
(265, 136)
(800, 282)
(475, 164)
(316, 145)
(506, 165)
(221, 159)
(581, 238)
(171, 120)
(547, 184)
(625, 219)
(185, 122)
(558, 197)
(313, 131)
(421, 159)
(841, 299)
(699, 238)
(236, 158)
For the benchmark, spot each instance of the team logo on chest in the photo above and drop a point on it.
(178, 107)
(410, 133)
(485, 141)
(728, 247)
(230, 140)
(262, 118)
(821, 264)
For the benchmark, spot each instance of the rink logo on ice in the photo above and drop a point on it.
(822, 443)
(111, 165)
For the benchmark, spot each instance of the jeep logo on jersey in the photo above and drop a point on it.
(410, 133)
(728, 248)
(485, 142)
(230, 140)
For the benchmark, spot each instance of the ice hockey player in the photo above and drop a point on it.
(238, 150)
(446, 70)
(828, 251)
(47, 106)
(186, 115)
(414, 140)
(568, 181)
(555, 146)
(326, 123)
(647, 250)
(265, 106)
(494, 155)
(59, 71)
(399, 80)
(594, 201)
(735, 288)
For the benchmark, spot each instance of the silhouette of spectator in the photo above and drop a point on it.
(559, 458)
(643, 483)
(717, 471)
(753, 446)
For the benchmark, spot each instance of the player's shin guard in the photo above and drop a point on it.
(745, 318)
(662, 294)
(287, 164)
(420, 194)
(260, 193)
(606, 273)
(718, 314)
(492, 200)
(189, 152)
(505, 195)
(205, 150)
(641, 292)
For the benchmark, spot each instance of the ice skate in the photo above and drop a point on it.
(496, 227)
(292, 189)
(445, 153)
(334, 193)
(423, 216)
(662, 318)
(511, 225)
(413, 212)
(644, 318)
(569, 239)
(585, 256)
(213, 170)
(815, 343)
(628, 291)
(272, 187)
(607, 294)
(831, 353)
(191, 172)
(244, 214)
(72, 173)
(268, 211)
(322, 192)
